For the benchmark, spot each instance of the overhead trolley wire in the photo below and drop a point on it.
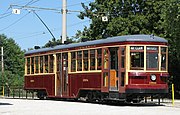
(14, 22)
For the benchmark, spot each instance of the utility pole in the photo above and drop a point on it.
(64, 21)
(2, 67)
(2, 59)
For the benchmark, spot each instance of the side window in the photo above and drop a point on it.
(79, 61)
(92, 59)
(28, 65)
(163, 58)
(85, 60)
(99, 59)
(36, 64)
(32, 65)
(73, 61)
(41, 64)
(106, 56)
(46, 64)
(51, 63)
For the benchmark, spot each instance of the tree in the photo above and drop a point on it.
(54, 42)
(13, 62)
(172, 24)
(124, 17)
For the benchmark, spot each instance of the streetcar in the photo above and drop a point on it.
(123, 68)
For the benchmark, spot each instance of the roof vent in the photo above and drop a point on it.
(84, 39)
(67, 42)
(36, 47)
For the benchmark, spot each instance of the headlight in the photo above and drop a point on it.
(153, 77)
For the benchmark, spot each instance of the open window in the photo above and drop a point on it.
(85, 60)
(99, 58)
(92, 59)
(36, 64)
(32, 65)
(73, 61)
(79, 61)
(51, 63)
(28, 65)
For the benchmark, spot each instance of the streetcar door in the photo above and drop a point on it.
(59, 74)
(113, 65)
(105, 70)
(122, 65)
(64, 84)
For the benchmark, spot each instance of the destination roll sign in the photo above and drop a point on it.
(152, 48)
(137, 48)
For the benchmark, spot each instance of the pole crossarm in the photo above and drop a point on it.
(41, 8)
(34, 7)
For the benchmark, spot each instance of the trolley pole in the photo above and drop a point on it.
(64, 21)
(2, 67)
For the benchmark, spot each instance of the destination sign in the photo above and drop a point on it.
(152, 48)
(137, 48)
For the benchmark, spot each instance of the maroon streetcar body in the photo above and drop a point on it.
(43, 82)
(91, 81)
(127, 68)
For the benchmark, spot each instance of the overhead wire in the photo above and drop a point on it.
(32, 2)
(14, 22)
(77, 4)
(6, 15)
(56, 29)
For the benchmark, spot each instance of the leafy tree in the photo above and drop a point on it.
(172, 24)
(13, 62)
(124, 17)
(54, 42)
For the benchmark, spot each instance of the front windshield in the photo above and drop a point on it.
(137, 57)
(152, 57)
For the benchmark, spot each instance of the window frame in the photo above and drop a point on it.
(152, 51)
(166, 60)
(137, 50)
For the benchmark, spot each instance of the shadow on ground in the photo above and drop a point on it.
(115, 103)
(5, 104)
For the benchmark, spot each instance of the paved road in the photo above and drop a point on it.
(49, 107)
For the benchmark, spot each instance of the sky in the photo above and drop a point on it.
(28, 31)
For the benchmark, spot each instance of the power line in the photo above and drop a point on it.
(6, 15)
(77, 4)
(78, 23)
(31, 2)
(14, 22)
(43, 33)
